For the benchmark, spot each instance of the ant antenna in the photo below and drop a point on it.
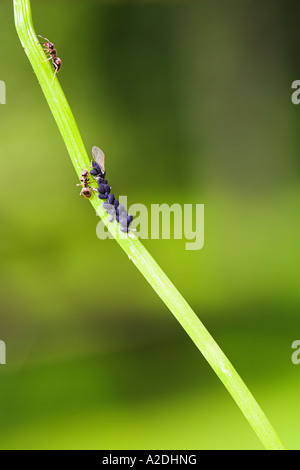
(43, 37)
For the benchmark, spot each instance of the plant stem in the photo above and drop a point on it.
(131, 245)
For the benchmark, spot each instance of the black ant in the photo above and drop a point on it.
(50, 50)
(86, 190)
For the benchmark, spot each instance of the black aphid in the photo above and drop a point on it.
(112, 205)
(96, 169)
(129, 220)
(101, 188)
(108, 207)
(111, 198)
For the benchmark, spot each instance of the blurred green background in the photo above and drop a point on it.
(191, 102)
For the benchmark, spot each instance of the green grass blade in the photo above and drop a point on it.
(131, 245)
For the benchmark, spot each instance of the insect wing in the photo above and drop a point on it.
(99, 158)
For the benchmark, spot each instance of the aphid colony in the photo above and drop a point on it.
(111, 205)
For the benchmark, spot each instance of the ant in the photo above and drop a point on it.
(50, 50)
(86, 190)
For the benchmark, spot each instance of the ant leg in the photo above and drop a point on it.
(47, 59)
(47, 51)
(56, 70)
